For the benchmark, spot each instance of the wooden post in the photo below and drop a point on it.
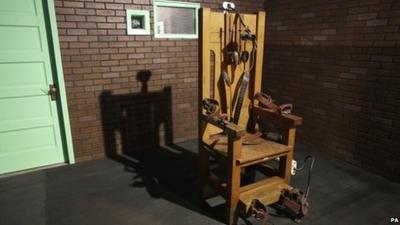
(260, 52)
(285, 163)
(256, 81)
(205, 83)
(205, 53)
(233, 180)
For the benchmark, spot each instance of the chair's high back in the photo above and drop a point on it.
(218, 31)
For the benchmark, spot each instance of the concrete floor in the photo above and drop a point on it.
(161, 189)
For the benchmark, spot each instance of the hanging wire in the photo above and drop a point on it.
(301, 167)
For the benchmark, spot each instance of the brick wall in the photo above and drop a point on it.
(103, 65)
(338, 61)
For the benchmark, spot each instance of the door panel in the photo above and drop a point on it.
(29, 124)
(15, 38)
(15, 75)
(11, 143)
(18, 7)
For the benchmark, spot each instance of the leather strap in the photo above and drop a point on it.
(211, 106)
(239, 102)
(226, 78)
(258, 210)
(267, 102)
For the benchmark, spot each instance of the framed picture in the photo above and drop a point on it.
(137, 22)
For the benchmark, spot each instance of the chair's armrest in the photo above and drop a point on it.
(288, 120)
(229, 128)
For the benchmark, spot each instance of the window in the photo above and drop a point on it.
(137, 22)
(175, 19)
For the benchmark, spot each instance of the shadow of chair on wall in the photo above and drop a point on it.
(138, 133)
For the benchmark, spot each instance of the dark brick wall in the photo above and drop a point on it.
(101, 66)
(338, 61)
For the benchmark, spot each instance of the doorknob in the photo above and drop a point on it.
(53, 92)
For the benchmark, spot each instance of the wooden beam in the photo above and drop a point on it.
(205, 53)
(288, 120)
(259, 53)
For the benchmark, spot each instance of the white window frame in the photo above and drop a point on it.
(146, 16)
(176, 4)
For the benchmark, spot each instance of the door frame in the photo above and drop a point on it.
(55, 56)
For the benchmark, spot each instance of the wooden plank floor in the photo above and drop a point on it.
(162, 190)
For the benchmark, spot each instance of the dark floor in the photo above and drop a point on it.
(161, 189)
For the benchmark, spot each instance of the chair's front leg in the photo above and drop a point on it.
(285, 163)
(233, 182)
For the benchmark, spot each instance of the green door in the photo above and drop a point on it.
(29, 124)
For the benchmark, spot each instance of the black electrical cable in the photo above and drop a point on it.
(307, 158)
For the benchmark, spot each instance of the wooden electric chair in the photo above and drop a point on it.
(234, 147)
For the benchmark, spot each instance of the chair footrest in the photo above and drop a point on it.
(267, 191)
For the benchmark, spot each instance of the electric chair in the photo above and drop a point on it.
(232, 113)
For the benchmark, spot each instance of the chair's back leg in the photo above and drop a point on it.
(204, 158)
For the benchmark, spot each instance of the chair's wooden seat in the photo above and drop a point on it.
(254, 149)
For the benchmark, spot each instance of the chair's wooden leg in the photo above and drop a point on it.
(285, 164)
(233, 182)
(204, 159)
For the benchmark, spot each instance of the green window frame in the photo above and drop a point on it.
(176, 4)
(146, 20)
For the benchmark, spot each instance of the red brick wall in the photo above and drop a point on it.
(338, 61)
(99, 58)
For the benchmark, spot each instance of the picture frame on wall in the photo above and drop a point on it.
(137, 22)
